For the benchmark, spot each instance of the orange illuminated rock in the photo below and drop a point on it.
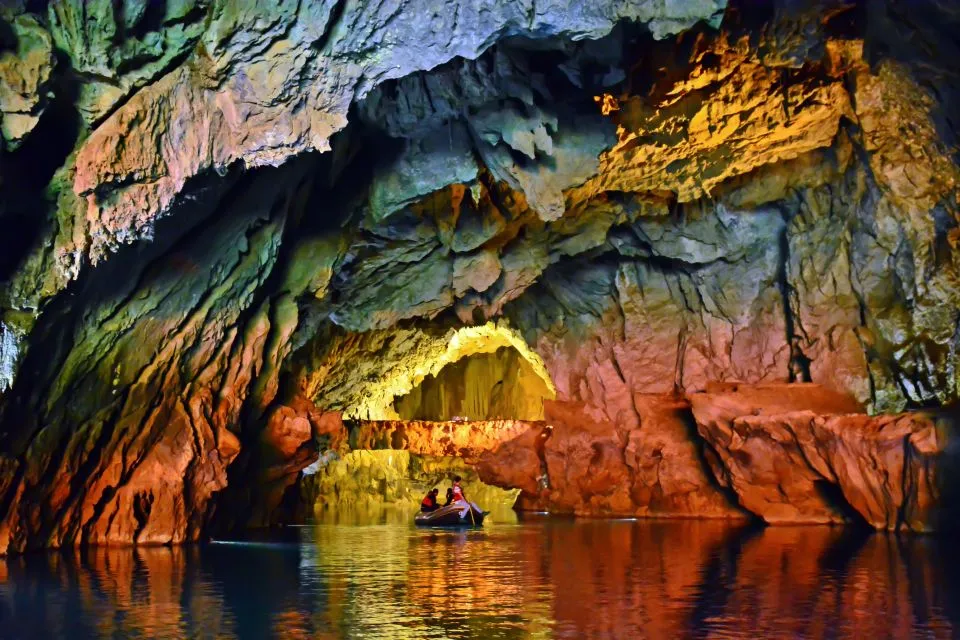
(772, 197)
(724, 401)
(295, 426)
(290, 441)
(730, 113)
(653, 469)
(799, 454)
(516, 462)
(468, 440)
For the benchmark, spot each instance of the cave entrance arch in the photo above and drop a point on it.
(416, 426)
(408, 372)
(498, 385)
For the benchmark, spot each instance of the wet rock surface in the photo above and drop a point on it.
(592, 468)
(232, 224)
(798, 454)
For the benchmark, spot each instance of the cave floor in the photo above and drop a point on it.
(377, 576)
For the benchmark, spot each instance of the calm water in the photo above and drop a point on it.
(528, 579)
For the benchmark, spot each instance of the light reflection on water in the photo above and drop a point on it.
(379, 577)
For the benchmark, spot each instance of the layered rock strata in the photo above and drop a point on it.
(795, 455)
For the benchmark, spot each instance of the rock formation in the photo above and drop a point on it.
(228, 225)
(798, 454)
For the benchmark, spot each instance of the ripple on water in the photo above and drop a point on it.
(539, 578)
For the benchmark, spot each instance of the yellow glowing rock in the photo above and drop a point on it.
(730, 116)
(906, 154)
(463, 342)
(405, 358)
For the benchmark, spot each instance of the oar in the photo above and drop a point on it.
(472, 521)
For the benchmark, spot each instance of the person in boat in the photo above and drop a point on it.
(460, 499)
(449, 497)
(429, 502)
(457, 490)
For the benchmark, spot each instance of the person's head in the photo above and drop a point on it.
(435, 492)
(456, 478)
(449, 492)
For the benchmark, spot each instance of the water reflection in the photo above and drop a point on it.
(528, 579)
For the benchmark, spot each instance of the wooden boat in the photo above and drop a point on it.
(449, 516)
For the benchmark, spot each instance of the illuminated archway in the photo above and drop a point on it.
(403, 360)
(483, 386)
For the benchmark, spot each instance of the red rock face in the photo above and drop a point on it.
(133, 424)
(790, 464)
(141, 501)
(594, 468)
(573, 463)
(289, 442)
(787, 453)
(468, 440)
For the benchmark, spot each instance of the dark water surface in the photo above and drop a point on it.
(529, 579)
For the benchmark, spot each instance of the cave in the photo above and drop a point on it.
(646, 260)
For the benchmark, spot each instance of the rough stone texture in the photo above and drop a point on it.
(122, 47)
(729, 111)
(24, 73)
(688, 302)
(482, 387)
(790, 461)
(476, 272)
(594, 469)
(467, 440)
(273, 81)
(293, 436)
(141, 399)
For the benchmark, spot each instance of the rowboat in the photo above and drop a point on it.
(449, 516)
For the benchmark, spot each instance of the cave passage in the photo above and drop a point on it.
(366, 484)
(489, 386)
(444, 426)
(268, 263)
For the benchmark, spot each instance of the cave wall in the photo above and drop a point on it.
(641, 208)
(138, 393)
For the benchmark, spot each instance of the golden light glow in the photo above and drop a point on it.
(378, 400)
(608, 104)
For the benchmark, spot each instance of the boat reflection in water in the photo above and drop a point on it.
(384, 578)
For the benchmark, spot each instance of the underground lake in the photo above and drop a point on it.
(376, 576)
